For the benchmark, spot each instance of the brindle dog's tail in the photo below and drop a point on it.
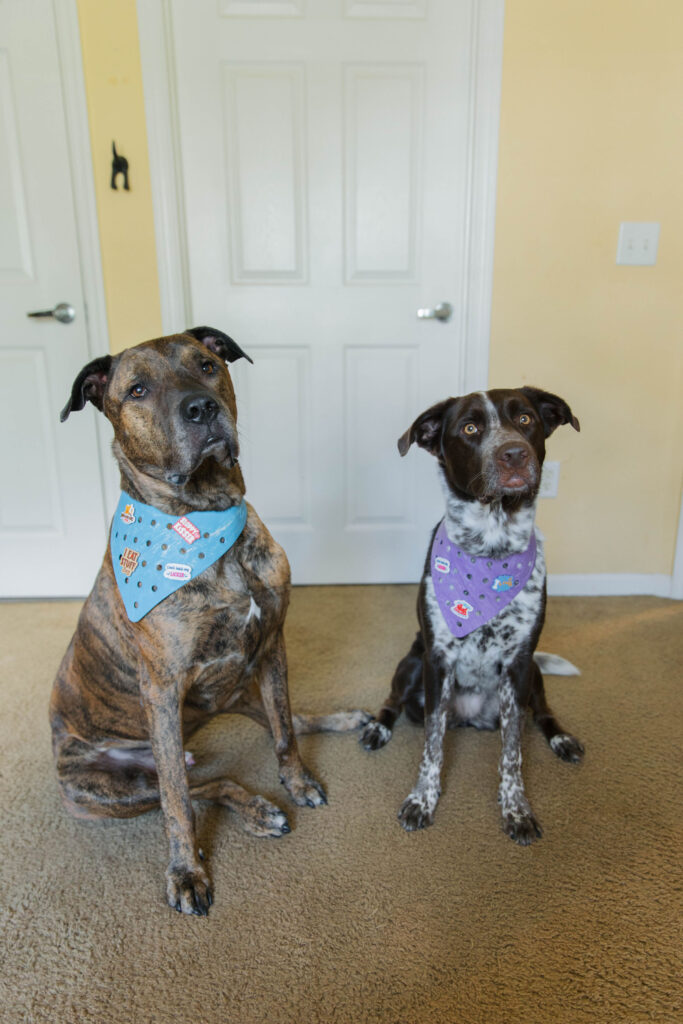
(339, 721)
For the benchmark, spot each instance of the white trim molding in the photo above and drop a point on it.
(482, 176)
(85, 209)
(155, 30)
(677, 577)
(617, 584)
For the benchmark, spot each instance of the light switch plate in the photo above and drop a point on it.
(638, 241)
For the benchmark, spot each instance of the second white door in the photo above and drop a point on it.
(324, 165)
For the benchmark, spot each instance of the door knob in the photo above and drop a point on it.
(442, 312)
(62, 312)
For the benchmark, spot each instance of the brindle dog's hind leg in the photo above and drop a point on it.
(96, 785)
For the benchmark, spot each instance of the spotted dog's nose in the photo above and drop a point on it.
(513, 456)
(198, 409)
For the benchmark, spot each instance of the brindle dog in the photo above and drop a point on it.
(128, 694)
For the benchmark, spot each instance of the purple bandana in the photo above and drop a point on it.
(471, 591)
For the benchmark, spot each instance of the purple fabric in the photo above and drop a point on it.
(472, 591)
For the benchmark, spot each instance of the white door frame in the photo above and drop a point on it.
(474, 292)
(85, 208)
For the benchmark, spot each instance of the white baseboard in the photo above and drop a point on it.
(609, 584)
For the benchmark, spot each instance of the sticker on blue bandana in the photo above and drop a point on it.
(154, 554)
(471, 591)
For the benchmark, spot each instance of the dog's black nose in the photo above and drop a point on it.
(198, 408)
(513, 455)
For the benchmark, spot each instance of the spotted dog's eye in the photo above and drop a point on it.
(470, 429)
(138, 391)
(208, 367)
(525, 419)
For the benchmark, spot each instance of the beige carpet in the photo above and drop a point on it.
(349, 919)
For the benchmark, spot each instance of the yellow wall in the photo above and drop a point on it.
(113, 82)
(590, 136)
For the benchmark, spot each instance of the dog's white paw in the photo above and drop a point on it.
(374, 736)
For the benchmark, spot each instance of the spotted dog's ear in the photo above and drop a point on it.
(223, 346)
(89, 386)
(553, 410)
(426, 430)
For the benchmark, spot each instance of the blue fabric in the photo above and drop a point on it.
(154, 554)
(472, 591)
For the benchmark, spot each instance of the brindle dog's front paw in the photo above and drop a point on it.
(188, 889)
(375, 735)
(415, 813)
(522, 826)
(567, 748)
(303, 788)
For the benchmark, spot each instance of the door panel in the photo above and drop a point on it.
(324, 160)
(52, 520)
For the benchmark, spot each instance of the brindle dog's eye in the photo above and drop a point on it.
(469, 429)
(524, 419)
(208, 367)
(138, 391)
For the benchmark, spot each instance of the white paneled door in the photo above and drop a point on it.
(52, 521)
(324, 150)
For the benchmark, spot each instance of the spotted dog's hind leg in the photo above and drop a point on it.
(519, 821)
(562, 744)
(406, 688)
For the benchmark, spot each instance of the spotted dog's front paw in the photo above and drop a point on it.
(567, 748)
(521, 825)
(415, 813)
(188, 889)
(375, 735)
(303, 788)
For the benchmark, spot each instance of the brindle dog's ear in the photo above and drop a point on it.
(426, 430)
(553, 410)
(220, 343)
(88, 387)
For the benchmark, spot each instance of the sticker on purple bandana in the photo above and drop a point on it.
(472, 591)
(462, 609)
(503, 583)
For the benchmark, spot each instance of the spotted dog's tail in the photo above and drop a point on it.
(554, 665)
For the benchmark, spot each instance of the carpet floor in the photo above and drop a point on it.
(350, 919)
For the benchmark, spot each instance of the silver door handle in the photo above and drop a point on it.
(442, 312)
(62, 312)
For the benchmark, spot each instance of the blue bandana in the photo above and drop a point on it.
(154, 554)
(472, 591)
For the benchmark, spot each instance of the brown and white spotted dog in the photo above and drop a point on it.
(490, 447)
(133, 688)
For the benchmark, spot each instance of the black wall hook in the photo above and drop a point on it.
(119, 165)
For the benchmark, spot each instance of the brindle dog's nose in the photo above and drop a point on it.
(514, 456)
(198, 409)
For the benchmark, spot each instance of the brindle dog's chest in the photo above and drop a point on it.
(228, 637)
